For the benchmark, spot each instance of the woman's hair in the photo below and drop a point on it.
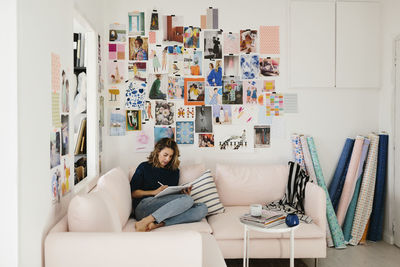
(163, 143)
(140, 40)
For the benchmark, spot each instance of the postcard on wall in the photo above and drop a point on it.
(213, 72)
(147, 112)
(222, 114)
(269, 66)
(191, 37)
(54, 148)
(184, 112)
(196, 64)
(55, 175)
(248, 41)
(117, 122)
(252, 91)
(135, 95)
(249, 66)
(173, 30)
(232, 91)
(203, 21)
(152, 37)
(206, 141)
(213, 44)
(158, 86)
(137, 71)
(117, 33)
(55, 109)
(154, 25)
(262, 136)
(231, 65)
(269, 40)
(157, 59)
(55, 72)
(116, 51)
(64, 134)
(144, 139)
(136, 23)
(269, 86)
(163, 132)
(133, 120)
(185, 132)
(234, 138)
(203, 122)
(116, 72)
(231, 43)
(176, 88)
(113, 96)
(64, 93)
(66, 184)
(176, 68)
(138, 48)
(213, 95)
(194, 91)
(164, 113)
(244, 114)
(274, 104)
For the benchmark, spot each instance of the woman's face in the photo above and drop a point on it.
(165, 156)
(137, 44)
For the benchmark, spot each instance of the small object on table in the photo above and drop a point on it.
(292, 220)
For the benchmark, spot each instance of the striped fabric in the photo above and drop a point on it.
(205, 191)
(308, 160)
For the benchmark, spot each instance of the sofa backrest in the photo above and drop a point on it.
(240, 185)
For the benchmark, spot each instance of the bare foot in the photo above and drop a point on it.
(153, 225)
(142, 225)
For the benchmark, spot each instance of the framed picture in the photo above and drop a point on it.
(194, 91)
(133, 120)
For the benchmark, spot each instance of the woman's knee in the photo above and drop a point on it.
(187, 200)
(201, 211)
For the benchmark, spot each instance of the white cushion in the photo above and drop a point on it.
(118, 187)
(93, 212)
(189, 173)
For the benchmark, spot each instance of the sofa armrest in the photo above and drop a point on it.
(315, 204)
(65, 249)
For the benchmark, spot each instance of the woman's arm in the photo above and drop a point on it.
(139, 193)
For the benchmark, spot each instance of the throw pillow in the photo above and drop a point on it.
(205, 191)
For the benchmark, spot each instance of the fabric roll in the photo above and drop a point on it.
(336, 186)
(336, 231)
(376, 222)
(307, 159)
(365, 199)
(298, 155)
(350, 181)
(348, 222)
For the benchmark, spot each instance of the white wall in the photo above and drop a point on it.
(44, 26)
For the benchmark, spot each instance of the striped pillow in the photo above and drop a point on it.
(205, 191)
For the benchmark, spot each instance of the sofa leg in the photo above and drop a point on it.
(316, 262)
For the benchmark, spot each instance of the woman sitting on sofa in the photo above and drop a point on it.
(153, 176)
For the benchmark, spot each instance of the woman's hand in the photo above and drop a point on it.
(161, 188)
(187, 190)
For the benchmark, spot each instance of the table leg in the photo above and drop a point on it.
(246, 247)
(292, 247)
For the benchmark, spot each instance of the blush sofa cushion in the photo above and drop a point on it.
(241, 185)
(118, 187)
(93, 212)
(188, 173)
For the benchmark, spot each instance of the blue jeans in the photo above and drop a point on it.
(171, 209)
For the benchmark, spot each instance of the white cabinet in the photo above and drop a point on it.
(334, 44)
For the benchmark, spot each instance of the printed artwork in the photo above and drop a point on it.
(191, 37)
(269, 40)
(184, 132)
(249, 66)
(269, 86)
(54, 149)
(214, 72)
(196, 63)
(212, 45)
(184, 112)
(154, 22)
(252, 92)
(55, 72)
(176, 88)
(164, 113)
(135, 95)
(116, 51)
(116, 72)
(213, 95)
(262, 136)
(269, 66)
(231, 65)
(55, 109)
(222, 114)
(114, 96)
(234, 138)
(137, 71)
(206, 140)
(194, 91)
(147, 112)
(138, 48)
(158, 86)
(163, 132)
(203, 122)
(244, 114)
(173, 30)
(231, 43)
(64, 135)
(248, 41)
(156, 57)
(65, 175)
(152, 37)
(144, 139)
(55, 185)
(117, 122)
(64, 93)
(133, 120)
(274, 104)
(232, 92)
(136, 23)
(117, 33)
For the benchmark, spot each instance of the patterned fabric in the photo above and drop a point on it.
(135, 95)
(298, 155)
(336, 231)
(365, 199)
(269, 40)
(308, 160)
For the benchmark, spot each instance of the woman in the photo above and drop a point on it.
(162, 168)
(140, 52)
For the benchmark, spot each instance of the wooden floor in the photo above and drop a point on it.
(372, 254)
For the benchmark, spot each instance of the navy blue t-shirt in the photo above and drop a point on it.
(146, 177)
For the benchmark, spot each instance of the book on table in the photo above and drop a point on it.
(265, 221)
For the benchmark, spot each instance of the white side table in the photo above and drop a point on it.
(282, 228)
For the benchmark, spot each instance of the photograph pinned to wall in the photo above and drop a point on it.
(249, 66)
(158, 84)
(262, 136)
(222, 114)
(55, 72)
(269, 86)
(252, 90)
(55, 175)
(269, 40)
(244, 114)
(232, 91)
(54, 148)
(152, 37)
(187, 60)
(234, 138)
(117, 33)
(194, 91)
(176, 68)
(175, 50)
(114, 96)
(65, 176)
(213, 72)
(203, 122)
(176, 88)
(231, 43)
(163, 132)
(213, 44)
(173, 30)
(191, 37)
(156, 57)
(274, 104)
(212, 18)
(154, 26)
(185, 132)
(206, 140)
(116, 51)
(135, 95)
(213, 95)
(137, 71)
(248, 41)
(55, 109)
(147, 112)
(133, 120)
(164, 113)
(64, 135)
(144, 139)
(138, 48)
(196, 64)
(117, 122)
(231, 65)
(184, 112)
(64, 93)
(269, 66)
(136, 23)
(116, 72)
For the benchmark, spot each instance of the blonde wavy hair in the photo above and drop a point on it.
(163, 143)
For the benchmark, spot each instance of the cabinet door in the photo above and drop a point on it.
(358, 44)
(312, 44)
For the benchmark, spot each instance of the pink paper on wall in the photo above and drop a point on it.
(203, 21)
(269, 40)
(152, 37)
(55, 72)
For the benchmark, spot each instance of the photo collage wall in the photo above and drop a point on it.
(202, 86)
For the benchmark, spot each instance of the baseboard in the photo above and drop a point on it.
(388, 238)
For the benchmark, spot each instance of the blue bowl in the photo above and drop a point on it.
(292, 220)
